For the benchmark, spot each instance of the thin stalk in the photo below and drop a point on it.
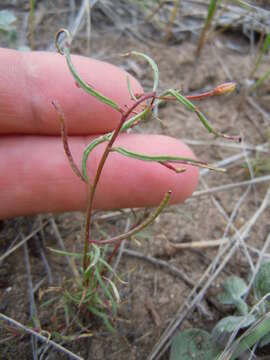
(31, 23)
(211, 12)
(92, 191)
(141, 226)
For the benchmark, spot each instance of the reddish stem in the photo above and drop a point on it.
(106, 152)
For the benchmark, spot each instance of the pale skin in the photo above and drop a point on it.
(35, 176)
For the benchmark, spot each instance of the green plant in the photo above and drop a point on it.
(95, 291)
(253, 322)
(213, 5)
(7, 25)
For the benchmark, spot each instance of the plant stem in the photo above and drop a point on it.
(92, 190)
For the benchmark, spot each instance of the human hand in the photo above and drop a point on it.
(35, 175)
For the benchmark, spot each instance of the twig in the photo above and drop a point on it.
(40, 337)
(191, 302)
(257, 107)
(230, 225)
(200, 244)
(121, 249)
(62, 246)
(28, 237)
(40, 244)
(223, 163)
(158, 262)
(212, 190)
(33, 308)
(257, 148)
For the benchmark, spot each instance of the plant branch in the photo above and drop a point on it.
(92, 191)
(141, 226)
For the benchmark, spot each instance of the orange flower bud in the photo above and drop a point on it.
(225, 88)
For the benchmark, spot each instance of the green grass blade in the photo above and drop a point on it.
(103, 317)
(103, 262)
(210, 14)
(106, 291)
(94, 260)
(252, 336)
(115, 290)
(261, 80)
(264, 48)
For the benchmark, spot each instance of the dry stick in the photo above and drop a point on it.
(40, 337)
(33, 309)
(62, 246)
(200, 244)
(120, 249)
(258, 148)
(40, 245)
(223, 163)
(230, 225)
(257, 107)
(227, 187)
(233, 215)
(92, 191)
(172, 269)
(190, 304)
(88, 26)
(28, 237)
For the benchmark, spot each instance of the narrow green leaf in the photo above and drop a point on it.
(66, 253)
(261, 80)
(101, 260)
(94, 260)
(49, 302)
(251, 336)
(87, 151)
(115, 290)
(182, 99)
(103, 317)
(106, 291)
(131, 93)
(152, 64)
(163, 158)
(86, 87)
(264, 48)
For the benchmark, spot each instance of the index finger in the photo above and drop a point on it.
(29, 82)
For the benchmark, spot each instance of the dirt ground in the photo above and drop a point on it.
(153, 294)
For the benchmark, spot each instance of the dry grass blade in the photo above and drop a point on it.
(227, 187)
(60, 241)
(194, 298)
(158, 262)
(28, 237)
(33, 308)
(40, 337)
